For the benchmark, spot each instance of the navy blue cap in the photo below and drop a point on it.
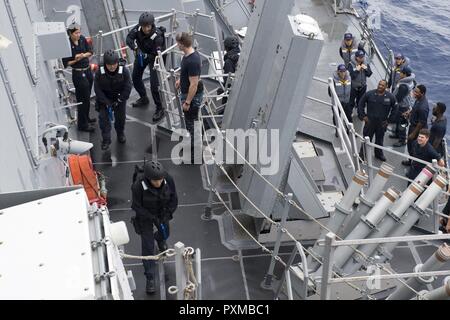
(406, 70)
(341, 67)
(360, 53)
(399, 56)
(348, 36)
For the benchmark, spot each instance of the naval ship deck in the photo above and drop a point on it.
(230, 274)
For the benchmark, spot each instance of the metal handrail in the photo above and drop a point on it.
(391, 276)
(351, 148)
(331, 243)
(343, 123)
(340, 243)
(163, 17)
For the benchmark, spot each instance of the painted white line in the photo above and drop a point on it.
(144, 123)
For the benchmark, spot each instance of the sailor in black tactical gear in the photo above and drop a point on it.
(81, 75)
(154, 199)
(231, 58)
(112, 89)
(146, 40)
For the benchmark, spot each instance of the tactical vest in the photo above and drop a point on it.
(111, 83)
(396, 72)
(343, 87)
(155, 200)
(408, 101)
(361, 79)
(147, 43)
(347, 52)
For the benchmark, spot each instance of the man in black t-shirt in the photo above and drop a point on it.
(190, 85)
(423, 150)
(418, 117)
(81, 75)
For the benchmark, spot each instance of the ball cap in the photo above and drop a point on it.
(406, 70)
(399, 56)
(360, 53)
(341, 67)
(348, 36)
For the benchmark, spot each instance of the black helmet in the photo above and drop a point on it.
(154, 170)
(231, 43)
(146, 19)
(110, 57)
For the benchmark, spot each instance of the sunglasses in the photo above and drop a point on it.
(398, 58)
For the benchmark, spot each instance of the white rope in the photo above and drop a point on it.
(191, 281)
(160, 256)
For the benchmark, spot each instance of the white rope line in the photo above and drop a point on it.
(191, 281)
(162, 255)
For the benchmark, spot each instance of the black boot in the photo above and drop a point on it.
(150, 286)
(380, 157)
(105, 145)
(159, 114)
(406, 162)
(121, 138)
(162, 246)
(141, 102)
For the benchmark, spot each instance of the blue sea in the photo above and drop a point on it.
(420, 29)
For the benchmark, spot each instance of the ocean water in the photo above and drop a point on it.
(420, 29)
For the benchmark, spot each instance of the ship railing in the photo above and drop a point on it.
(165, 16)
(165, 68)
(345, 128)
(351, 142)
(170, 35)
(331, 244)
